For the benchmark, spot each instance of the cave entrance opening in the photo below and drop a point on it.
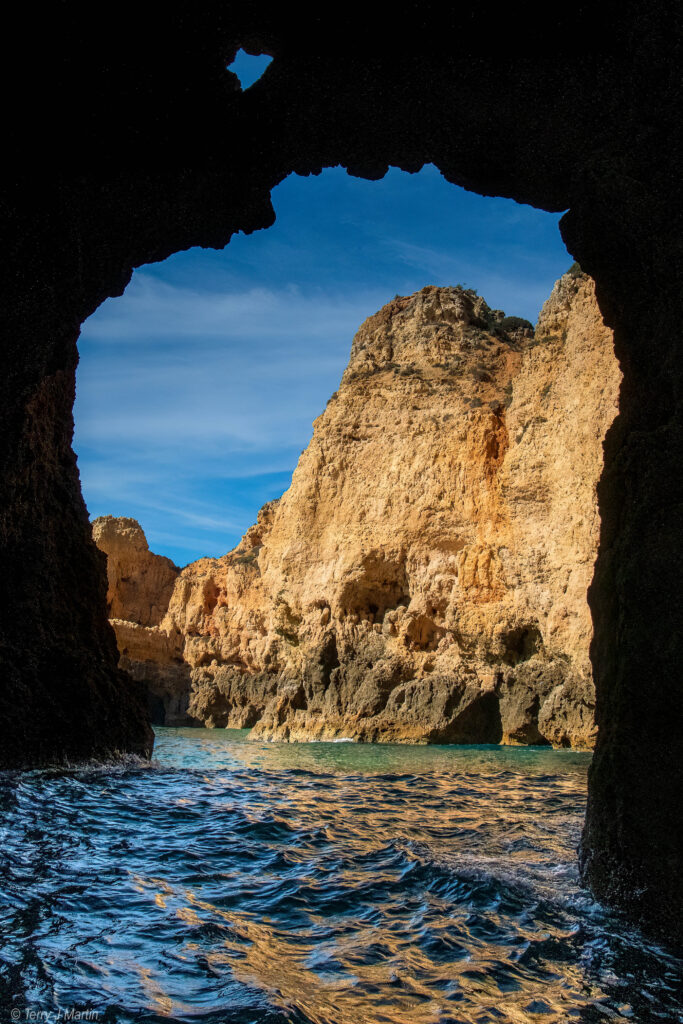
(197, 388)
(235, 355)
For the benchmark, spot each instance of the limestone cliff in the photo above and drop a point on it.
(139, 588)
(424, 578)
(139, 583)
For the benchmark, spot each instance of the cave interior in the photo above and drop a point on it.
(128, 142)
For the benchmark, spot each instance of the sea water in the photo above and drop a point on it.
(236, 881)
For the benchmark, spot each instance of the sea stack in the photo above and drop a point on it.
(424, 577)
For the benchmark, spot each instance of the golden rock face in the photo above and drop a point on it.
(139, 583)
(424, 577)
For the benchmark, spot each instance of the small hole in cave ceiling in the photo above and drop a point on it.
(249, 67)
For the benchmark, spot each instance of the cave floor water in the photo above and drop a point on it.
(236, 881)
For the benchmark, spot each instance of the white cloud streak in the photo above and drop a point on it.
(177, 387)
(150, 305)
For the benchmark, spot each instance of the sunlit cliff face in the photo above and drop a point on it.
(424, 577)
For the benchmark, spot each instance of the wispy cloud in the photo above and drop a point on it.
(179, 386)
(520, 290)
(265, 367)
(154, 309)
(198, 387)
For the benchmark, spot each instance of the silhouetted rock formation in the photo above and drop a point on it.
(424, 578)
(126, 146)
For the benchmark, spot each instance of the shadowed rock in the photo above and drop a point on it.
(127, 146)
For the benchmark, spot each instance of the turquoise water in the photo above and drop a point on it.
(235, 881)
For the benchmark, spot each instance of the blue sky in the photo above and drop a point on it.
(197, 388)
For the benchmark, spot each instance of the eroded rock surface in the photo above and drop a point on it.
(424, 578)
(579, 111)
(140, 583)
(155, 660)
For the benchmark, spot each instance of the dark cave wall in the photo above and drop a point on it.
(631, 239)
(134, 143)
(62, 697)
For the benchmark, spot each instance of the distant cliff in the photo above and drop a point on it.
(139, 588)
(424, 577)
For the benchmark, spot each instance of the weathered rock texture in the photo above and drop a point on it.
(140, 585)
(129, 146)
(155, 662)
(424, 578)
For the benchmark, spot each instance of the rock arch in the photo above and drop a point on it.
(130, 144)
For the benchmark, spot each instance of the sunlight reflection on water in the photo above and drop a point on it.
(235, 881)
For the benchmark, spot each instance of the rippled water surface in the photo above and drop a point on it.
(234, 881)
